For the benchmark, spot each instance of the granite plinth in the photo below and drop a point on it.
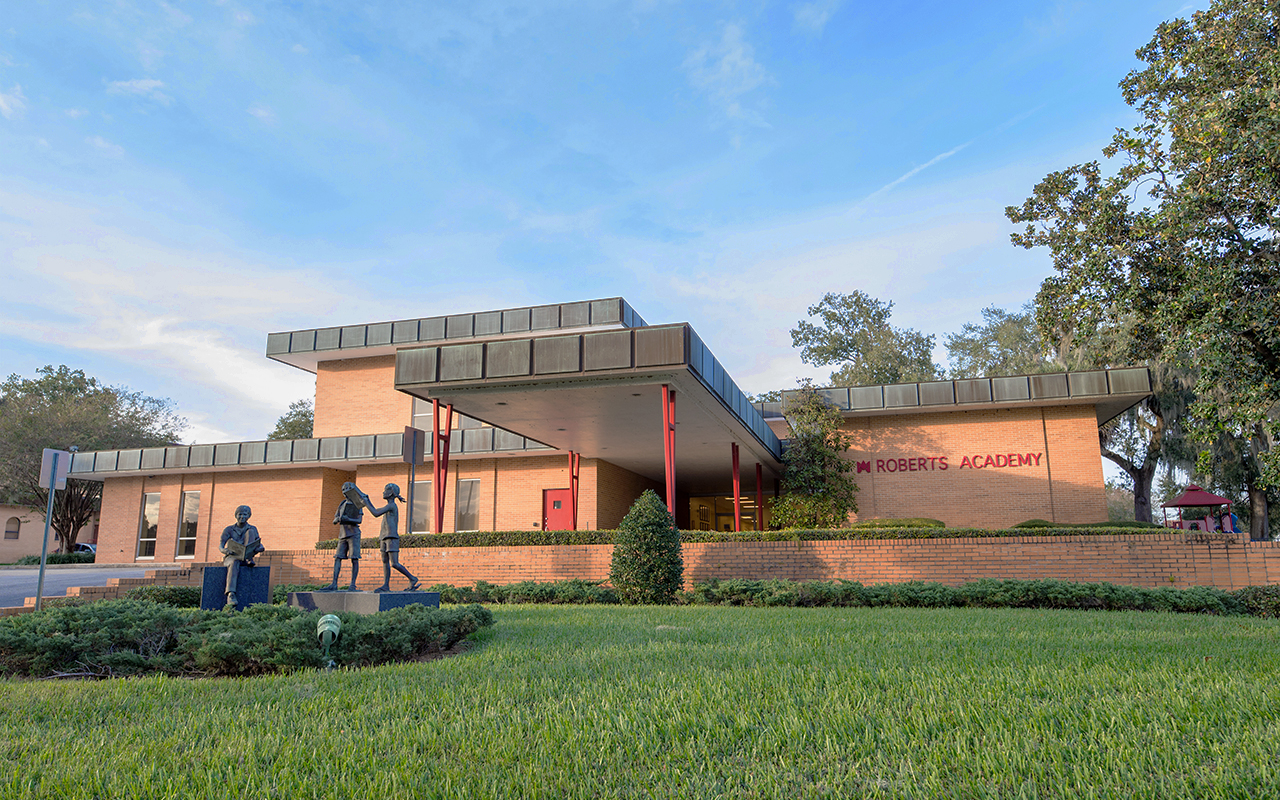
(361, 602)
(254, 586)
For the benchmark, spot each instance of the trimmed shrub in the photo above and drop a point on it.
(132, 637)
(175, 596)
(56, 558)
(910, 522)
(1260, 601)
(901, 529)
(647, 566)
(1038, 523)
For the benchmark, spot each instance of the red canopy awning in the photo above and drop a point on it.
(1195, 496)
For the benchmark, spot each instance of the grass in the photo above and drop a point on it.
(698, 702)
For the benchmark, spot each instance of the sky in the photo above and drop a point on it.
(178, 179)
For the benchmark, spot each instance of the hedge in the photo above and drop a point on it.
(115, 638)
(56, 558)
(537, 537)
(1255, 601)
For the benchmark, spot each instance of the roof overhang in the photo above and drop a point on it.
(600, 394)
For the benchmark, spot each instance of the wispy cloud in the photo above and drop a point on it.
(141, 87)
(300, 50)
(14, 104)
(917, 170)
(727, 71)
(75, 113)
(104, 147)
(262, 113)
(812, 17)
(177, 16)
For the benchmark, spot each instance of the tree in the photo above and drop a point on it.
(63, 407)
(818, 491)
(1007, 343)
(296, 423)
(1180, 246)
(854, 332)
(647, 566)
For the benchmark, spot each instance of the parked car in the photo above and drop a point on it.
(82, 547)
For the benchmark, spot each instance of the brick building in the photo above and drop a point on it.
(559, 416)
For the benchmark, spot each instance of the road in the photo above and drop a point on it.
(18, 584)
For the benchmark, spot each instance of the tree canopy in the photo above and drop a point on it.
(1007, 343)
(1178, 244)
(818, 489)
(853, 332)
(60, 408)
(296, 423)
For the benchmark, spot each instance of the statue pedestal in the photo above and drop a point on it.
(254, 586)
(361, 602)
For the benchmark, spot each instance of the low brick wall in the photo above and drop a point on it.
(1178, 560)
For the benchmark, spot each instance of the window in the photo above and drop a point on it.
(468, 505)
(423, 507)
(148, 525)
(11, 528)
(187, 524)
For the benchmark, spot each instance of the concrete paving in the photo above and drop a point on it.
(18, 584)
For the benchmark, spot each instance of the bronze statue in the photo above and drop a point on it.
(350, 515)
(389, 539)
(240, 543)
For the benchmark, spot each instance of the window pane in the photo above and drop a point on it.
(149, 525)
(12, 527)
(187, 524)
(468, 503)
(422, 507)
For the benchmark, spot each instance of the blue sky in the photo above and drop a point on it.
(178, 179)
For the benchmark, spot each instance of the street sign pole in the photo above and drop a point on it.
(52, 457)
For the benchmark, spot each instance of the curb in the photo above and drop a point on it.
(36, 567)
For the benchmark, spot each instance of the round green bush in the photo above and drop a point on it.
(647, 566)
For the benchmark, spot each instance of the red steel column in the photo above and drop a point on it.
(440, 458)
(737, 493)
(669, 443)
(759, 497)
(575, 460)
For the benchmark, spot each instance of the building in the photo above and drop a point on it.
(24, 529)
(559, 416)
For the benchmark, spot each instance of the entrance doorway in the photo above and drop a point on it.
(557, 509)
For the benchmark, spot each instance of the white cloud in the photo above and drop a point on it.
(262, 113)
(106, 148)
(191, 317)
(300, 50)
(75, 113)
(813, 16)
(14, 104)
(150, 56)
(727, 70)
(177, 17)
(141, 87)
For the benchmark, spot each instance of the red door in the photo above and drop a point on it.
(557, 509)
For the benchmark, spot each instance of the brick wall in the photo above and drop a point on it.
(955, 466)
(1176, 560)
(357, 396)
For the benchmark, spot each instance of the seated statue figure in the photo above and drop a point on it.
(240, 543)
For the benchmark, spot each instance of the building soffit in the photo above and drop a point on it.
(599, 394)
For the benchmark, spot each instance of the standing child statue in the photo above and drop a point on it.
(350, 515)
(389, 538)
(240, 543)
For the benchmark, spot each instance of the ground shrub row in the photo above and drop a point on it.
(56, 558)
(1258, 601)
(872, 530)
(132, 637)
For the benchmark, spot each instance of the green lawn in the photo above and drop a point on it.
(698, 702)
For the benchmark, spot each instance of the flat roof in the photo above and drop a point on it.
(598, 393)
(1110, 391)
(306, 348)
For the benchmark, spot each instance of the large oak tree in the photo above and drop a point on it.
(1177, 245)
